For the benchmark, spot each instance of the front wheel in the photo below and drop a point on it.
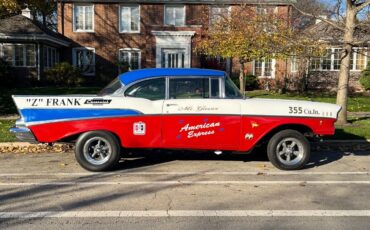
(97, 151)
(288, 150)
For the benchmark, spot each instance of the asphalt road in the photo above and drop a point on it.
(185, 190)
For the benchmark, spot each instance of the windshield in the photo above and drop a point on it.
(111, 88)
(231, 91)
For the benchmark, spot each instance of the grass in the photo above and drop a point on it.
(356, 103)
(7, 105)
(5, 135)
(359, 128)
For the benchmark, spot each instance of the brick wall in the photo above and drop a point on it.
(107, 40)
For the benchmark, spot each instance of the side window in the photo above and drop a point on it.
(153, 89)
(184, 88)
(215, 87)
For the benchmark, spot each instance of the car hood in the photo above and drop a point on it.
(294, 108)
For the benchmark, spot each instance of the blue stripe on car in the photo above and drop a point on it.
(39, 115)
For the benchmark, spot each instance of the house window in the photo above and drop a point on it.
(130, 58)
(218, 13)
(332, 60)
(83, 18)
(173, 58)
(51, 56)
(358, 59)
(84, 59)
(20, 55)
(263, 68)
(294, 64)
(315, 64)
(327, 60)
(174, 15)
(129, 21)
(337, 53)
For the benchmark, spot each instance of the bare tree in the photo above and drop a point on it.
(346, 17)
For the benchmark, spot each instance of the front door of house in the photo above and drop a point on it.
(173, 58)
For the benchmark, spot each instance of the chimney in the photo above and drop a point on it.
(319, 20)
(27, 13)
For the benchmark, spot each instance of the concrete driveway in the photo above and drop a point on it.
(185, 190)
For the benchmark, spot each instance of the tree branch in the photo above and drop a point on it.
(328, 21)
(362, 6)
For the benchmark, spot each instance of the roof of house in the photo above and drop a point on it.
(136, 75)
(328, 33)
(216, 2)
(20, 27)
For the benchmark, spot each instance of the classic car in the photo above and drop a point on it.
(193, 109)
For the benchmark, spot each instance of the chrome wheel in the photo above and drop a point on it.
(97, 150)
(290, 151)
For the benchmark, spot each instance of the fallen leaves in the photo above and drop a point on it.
(35, 148)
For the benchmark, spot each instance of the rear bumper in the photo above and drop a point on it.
(23, 134)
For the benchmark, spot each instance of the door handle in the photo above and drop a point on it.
(168, 105)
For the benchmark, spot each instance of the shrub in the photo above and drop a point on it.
(4, 73)
(251, 82)
(365, 77)
(64, 74)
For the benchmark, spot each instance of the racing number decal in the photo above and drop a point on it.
(295, 110)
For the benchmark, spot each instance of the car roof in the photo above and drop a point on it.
(132, 76)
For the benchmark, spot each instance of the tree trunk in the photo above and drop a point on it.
(241, 77)
(342, 95)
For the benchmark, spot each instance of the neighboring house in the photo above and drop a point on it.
(152, 33)
(28, 47)
(323, 72)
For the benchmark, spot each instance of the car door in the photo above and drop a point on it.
(195, 116)
(146, 97)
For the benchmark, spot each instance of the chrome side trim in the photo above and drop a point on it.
(23, 134)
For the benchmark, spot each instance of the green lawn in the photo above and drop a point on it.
(7, 105)
(357, 129)
(5, 135)
(356, 103)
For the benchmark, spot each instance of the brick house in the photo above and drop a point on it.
(323, 72)
(151, 33)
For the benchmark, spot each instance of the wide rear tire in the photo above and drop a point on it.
(289, 150)
(97, 151)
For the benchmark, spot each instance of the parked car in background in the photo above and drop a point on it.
(174, 109)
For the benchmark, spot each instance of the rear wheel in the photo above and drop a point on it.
(97, 151)
(288, 150)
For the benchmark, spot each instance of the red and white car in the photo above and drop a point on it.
(174, 109)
